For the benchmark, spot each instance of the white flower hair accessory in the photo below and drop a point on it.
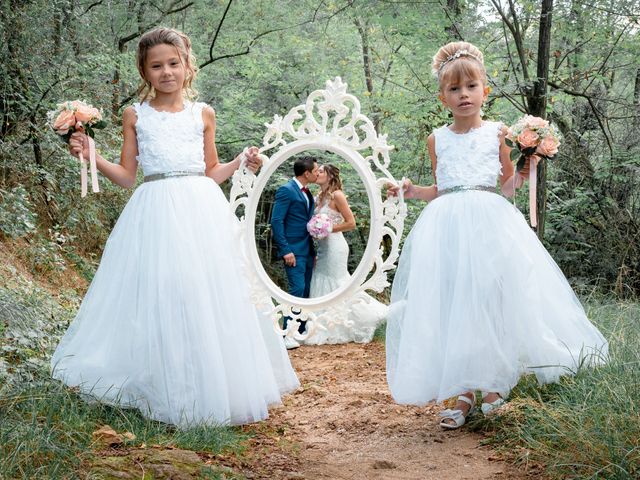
(458, 53)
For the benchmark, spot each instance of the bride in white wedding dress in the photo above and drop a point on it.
(330, 271)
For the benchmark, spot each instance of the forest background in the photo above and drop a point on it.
(260, 58)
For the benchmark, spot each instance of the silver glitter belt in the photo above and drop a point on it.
(462, 188)
(179, 173)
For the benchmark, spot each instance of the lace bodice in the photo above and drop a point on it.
(335, 216)
(170, 141)
(471, 158)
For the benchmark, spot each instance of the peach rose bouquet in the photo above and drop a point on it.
(534, 139)
(76, 115)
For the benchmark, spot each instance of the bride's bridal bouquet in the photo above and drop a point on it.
(533, 139)
(72, 116)
(320, 226)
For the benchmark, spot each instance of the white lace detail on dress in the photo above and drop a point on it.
(472, 158)
(332, 256)
(335, 216)
(170, 141)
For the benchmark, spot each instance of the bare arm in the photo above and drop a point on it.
(214, 169)
(123, 173)
(509, 179)
(342, 205)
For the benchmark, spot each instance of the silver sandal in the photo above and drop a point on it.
(456, 415)
(487, 407)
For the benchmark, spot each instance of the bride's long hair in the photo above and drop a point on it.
(334, 182)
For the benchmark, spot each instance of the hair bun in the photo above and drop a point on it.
(453, 51)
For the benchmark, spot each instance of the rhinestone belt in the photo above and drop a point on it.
(162, 176)
(463, 188)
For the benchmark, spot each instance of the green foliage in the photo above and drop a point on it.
(17, 215)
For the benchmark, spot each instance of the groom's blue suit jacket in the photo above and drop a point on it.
(289, 220)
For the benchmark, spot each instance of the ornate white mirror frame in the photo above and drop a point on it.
(330, 120)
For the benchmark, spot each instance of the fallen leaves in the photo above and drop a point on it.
(107, 437)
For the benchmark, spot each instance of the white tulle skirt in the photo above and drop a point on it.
(477, 302)
(167, 325)
(365, 313)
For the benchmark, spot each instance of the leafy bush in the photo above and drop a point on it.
(17, 215)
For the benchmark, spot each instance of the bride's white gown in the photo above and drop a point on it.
(330, 272)
(167, 325)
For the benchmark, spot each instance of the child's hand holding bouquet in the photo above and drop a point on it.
(532, 139)
(73, 116)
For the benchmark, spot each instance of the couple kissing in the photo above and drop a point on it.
(317, 272)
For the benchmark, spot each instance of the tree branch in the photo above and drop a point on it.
(124, 40)
(514, 28)
(215, 36)
(247, 50)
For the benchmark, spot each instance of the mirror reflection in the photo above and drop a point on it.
(312, 224)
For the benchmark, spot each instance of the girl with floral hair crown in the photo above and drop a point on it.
(477, 301)
(167, 325)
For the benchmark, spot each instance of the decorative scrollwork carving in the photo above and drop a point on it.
(330, 119)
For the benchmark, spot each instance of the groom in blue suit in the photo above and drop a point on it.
(292, 210)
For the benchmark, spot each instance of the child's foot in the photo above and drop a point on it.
(490, 402)
(464, 407)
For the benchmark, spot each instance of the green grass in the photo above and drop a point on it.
(45, 431)
(588, 425)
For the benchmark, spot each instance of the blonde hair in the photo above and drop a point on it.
(334, 182)
(458, 60)
(174, 38)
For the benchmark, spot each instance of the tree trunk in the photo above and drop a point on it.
(366, 63)
(453, 9)
(538, 103)
(636, 97)
(366, 53)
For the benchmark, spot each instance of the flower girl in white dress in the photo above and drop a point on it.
(477, 301)
(330, 271)
(167, 325)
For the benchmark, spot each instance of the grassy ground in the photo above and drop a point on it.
(588, 425)
(46, 431)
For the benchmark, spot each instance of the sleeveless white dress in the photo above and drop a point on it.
(330, 273)
(167, 325)
(477, 301)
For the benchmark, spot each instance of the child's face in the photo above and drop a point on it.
(164, 68)
(464, 97)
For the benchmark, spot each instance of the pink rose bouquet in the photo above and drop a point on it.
(76, 115)
(532, 138)
(320, 226)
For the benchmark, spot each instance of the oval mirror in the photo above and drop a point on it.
(336, 256)
(328, 124)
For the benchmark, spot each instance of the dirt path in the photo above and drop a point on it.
(343, 424)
